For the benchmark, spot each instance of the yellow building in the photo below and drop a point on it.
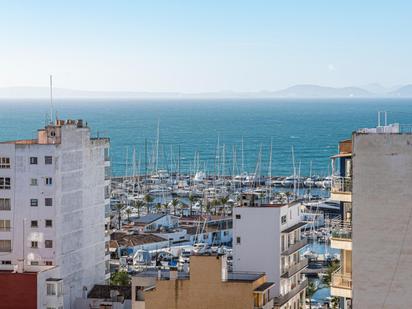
(207, 285)
(341, 190)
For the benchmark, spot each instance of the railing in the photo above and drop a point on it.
(342, 230)
(279, 301)
(341, 184)
(341, 280)
(295, 247)
(291, 270)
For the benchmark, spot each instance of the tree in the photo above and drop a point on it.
(224, 201)
(331, 269)
(120, 278)
(158, 207)
(119, 208)
(128, 212)
(192, 199)
(148, 201)
(138, 206)
(165, 207)
(214, 204)
(310, 290)
(175, 203)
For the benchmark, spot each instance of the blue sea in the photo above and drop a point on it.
(312, 127)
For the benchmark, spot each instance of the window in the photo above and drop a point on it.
(7, 262)
(5, 245)
(4, 225)
(48, 263)
(4, 162)
(33, 160)
(5, 204)
(48, 160)
(237, 216)
(238, 240)
(33, 182)
(48, 201)
(49, 223)
(34, 244)
(283, 219)
(51, 289)
(48, 243)
(34, 263)
(5, 183)
(48, 181)
(34, 202)
(34, 223)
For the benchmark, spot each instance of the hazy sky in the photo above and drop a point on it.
(195, 45)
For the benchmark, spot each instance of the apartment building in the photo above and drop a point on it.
(341, 190)
(382, 238)
(267, 238)
(54, 192)
(208, 284)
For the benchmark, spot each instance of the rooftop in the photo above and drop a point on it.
(264, 286)
(103, 291)
(149, 218)
(132, 240)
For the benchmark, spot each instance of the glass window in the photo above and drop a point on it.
(238, 240)
(5, 204)
(33, 182)
(51, 289)
(4, 225)
(49, 223)
(48, 243)
(34, 202)
(48, 201)
(5, 183)
(33, 160)
(48, 263)
(34, 223)
(4, 162)
(48, 160)
(283, 219)
(34, 244)
(34, 263)
(5, 245)
(48, 181)
(238, 217)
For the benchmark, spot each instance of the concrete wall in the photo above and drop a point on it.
(382, 227)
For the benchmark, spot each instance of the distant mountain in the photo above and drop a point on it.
(403, 92)
(297, 91)
(310, 91)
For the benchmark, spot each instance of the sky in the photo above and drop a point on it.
(204, 46)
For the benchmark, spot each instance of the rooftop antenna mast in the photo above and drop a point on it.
(51, 99)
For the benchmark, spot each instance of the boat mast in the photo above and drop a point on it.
(157, 145)
(270, 170)
(243, 158)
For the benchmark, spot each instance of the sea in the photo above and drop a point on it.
(207, 134)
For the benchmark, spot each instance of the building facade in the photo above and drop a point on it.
(54, 192)
(267, 238)
(341, 190)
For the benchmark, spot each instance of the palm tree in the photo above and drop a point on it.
(215, 203)
(175, 203)
(208, 207)
(128, 212)
(119, 208)
(192, 199)
(165, 207)
(148, 200)
(310, 290)
(158, 207)
(224, 201)
(138, 206)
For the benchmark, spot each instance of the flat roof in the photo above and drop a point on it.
(244, 276)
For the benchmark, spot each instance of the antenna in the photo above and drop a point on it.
(51, 99)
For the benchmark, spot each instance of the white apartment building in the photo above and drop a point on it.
(53, 194)
(267, 238)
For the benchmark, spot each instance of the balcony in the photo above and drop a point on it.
(295, 247)
(283, 299)
(341, 189)
(342, 236)
(341, 284)
(295, 268)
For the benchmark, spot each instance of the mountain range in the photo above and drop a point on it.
(297, 91)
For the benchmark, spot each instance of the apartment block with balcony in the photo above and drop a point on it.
(52, 206)
(341, 190)
(267, 238)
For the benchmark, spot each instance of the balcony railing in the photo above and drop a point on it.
(291, 270)
(341, 184)
(342, 230)
(341, 280)
(295, 247)
(279, 301)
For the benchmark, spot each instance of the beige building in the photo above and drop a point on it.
(341, 190)
(207, 285)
